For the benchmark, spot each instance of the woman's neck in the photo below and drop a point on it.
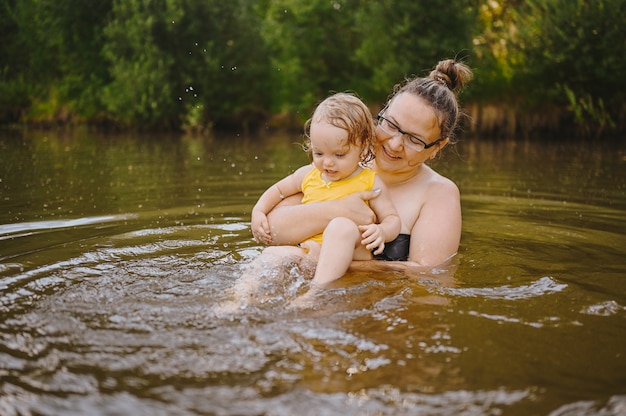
(392, 178)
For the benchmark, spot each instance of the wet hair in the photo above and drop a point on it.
(439, 89)
(345, 111)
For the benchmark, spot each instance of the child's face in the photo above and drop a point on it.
(331, 153)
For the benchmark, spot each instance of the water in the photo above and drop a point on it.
(115, 250)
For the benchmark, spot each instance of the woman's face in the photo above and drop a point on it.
(413, 115)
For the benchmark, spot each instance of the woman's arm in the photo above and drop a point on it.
(436, 234)
(408, 269)
(292, 222)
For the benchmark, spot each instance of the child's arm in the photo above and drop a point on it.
(288, 186)
(374, 236)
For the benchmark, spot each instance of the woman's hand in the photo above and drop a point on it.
(356, 207)
(292, 222)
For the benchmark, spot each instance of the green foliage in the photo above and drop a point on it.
(402, 38)
(589, 113)
(494, 58)
(321, 46)
(311, 44)
(13, 88)
(574, 54)
(139, 91)
(179, 62)
(202, 63)
(59, 45)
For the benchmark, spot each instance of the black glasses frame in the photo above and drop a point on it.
(412, 138)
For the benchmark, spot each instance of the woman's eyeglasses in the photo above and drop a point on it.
(412, 142)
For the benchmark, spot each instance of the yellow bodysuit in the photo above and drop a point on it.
(316, 189)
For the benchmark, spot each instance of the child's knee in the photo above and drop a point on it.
(342, 227)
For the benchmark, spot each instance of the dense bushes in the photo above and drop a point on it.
(197, 64)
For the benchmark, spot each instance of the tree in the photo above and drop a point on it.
(13, 65)
(179, 62)
(312, 51)
(53, 52)
(574, 55)
(402, 38)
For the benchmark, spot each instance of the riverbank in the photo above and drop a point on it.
(482, 119)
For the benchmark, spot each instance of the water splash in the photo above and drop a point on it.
(608, 308)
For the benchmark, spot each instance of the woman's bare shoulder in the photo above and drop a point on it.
(442, 186)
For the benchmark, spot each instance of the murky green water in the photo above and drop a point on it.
(115, 250)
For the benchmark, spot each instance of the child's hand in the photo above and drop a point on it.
(372, 237)
(260, 227)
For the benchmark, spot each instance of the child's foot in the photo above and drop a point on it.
(309, 299)
(229, 308)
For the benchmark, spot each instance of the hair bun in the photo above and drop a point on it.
(452, 74)
(443, 78)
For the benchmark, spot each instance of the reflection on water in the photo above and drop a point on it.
(115, 251)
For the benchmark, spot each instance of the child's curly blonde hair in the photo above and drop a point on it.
(348, 112)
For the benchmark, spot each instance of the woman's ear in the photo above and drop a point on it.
(440, 146)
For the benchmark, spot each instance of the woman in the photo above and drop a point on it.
(418, 121)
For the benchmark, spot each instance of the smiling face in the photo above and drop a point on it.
(413, 115)
(331, 154)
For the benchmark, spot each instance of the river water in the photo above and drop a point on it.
(116, 249)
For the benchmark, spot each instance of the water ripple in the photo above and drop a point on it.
(225, 400)
(27, 228)
(550, 320)
(543, 286)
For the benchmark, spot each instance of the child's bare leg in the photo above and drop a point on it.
(312, 248)
(341, 238)
(248, 285)
(361, 253)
